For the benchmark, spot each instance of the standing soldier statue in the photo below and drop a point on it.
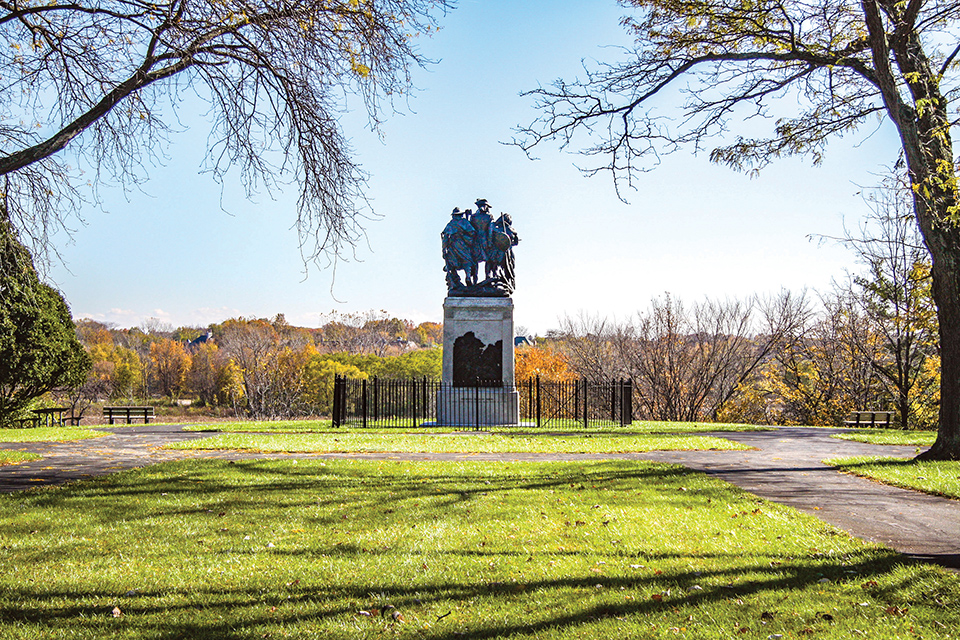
(459, 241)
(500, 259)
(469, 239)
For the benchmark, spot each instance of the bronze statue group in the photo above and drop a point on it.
(472, 237)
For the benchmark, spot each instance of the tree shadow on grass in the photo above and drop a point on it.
(586, 601)
(664, 587)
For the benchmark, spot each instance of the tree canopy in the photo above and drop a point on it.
(832, 65)
(39, 349)
(90, 93)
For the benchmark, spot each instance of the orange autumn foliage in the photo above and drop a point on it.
(531, 361)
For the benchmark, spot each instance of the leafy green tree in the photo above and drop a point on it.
(318, 378)
(838, 63)
(421, 363)
(118, 370)
(39, 349)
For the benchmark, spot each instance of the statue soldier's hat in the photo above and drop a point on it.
(481, 202)
(456, 212)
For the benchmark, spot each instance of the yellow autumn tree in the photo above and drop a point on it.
(168, 367)
(543, 361)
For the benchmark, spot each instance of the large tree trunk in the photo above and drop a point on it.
(946, 292)
(924, 128)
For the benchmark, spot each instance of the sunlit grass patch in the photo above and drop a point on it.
(457, 443)
(941, 478)
(265, 426)
(48, 434)
(567, 426)
(637, 426)
(15, 457)
(211, 549)
(890, 436)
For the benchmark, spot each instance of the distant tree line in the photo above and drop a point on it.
(257, 367)
(871, 343)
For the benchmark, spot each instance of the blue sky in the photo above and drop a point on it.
(185, 252)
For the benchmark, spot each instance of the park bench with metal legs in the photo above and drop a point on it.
(128, 413)
(868, 419)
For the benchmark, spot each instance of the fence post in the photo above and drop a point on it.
(576, 399)
(414, 392)
(585, 425)
(336, 401)
(476, 408)
(426, 405)
(615, 387)
(538, 401)
(626, 412)
(363, 402)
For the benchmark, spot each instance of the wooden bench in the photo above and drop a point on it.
(869, 419)
(128, 413)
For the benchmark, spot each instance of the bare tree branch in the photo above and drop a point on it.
(96, 82)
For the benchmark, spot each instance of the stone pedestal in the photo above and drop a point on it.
(477, 407)
(478, 367)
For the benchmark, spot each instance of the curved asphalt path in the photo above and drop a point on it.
(785, 467)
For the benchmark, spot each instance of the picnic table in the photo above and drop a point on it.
(128, 413)
(50, 417)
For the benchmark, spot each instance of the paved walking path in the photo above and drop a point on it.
(785, 467)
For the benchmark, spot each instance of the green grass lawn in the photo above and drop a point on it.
(940, 478)
(13, 457)
(890, 436)
(326, 426)
(48, 434)
(639, 426)
(397, 441)
(350, 549)
(265, 426)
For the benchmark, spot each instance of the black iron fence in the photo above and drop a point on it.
(533, 402)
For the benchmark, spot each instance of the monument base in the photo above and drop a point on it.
(478, 342)
(478, 368)
(477, 407)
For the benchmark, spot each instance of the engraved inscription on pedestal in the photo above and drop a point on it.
(476, 364)
(478, 344)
